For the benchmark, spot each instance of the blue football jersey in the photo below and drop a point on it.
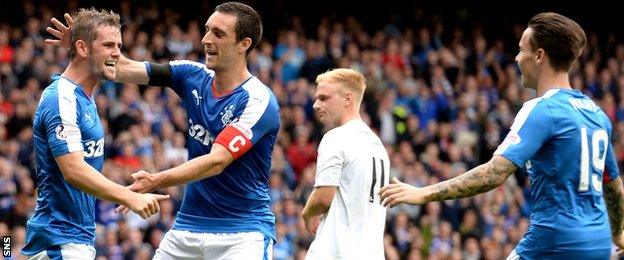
(245, 121)
(66, 121)
(563, 140)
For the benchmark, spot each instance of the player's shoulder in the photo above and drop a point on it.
(567, 102)
(542, 105)
(256, 91)
(343, 133)
(60, 90)
(190, 66)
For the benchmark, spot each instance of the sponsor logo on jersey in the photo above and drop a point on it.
(63, 132)
(512, 138)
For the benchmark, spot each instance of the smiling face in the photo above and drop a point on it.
(104, 52)
(220, 45)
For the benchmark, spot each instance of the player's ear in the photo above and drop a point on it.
(348, 98)
(81, 48)
(244, 45)
(540, 56)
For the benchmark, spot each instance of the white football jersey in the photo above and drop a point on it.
(352, 158)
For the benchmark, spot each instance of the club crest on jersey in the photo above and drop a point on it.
(197, 96)
(227, 114)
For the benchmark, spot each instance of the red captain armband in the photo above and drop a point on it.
(605, 176)
(234, 140)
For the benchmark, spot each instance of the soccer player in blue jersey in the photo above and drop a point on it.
(69, 145)
(233, 120)
(562, 138)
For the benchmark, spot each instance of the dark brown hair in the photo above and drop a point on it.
(249, 24)
(560, 37)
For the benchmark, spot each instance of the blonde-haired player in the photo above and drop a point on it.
(344, 210)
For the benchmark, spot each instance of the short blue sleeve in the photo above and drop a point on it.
(260, 113)
(532, 127)
(611, 167)
(60, 121)
(185, 73)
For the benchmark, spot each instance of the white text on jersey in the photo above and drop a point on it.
(581, 103)
(200, 133)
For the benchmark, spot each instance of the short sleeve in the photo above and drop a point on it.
(60, 121)
(611, 171)
(330, 161)
(531, 128)
(260, 116)
(181, 70)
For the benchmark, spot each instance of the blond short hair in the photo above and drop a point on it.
(350, 79)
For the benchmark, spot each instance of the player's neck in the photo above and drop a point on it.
(352, 115)
(79, 73)
(552, 80)
(227, 80)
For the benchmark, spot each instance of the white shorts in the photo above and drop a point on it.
(69, 251)
(179, 244)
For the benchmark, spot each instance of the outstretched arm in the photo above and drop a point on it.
(127, 70)
(614, 198)
(84, 177)
(480, 179)
(204, 166)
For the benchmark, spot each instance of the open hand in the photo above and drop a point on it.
(143, 182)
(398, 192)
(145, 205)
(61, 32)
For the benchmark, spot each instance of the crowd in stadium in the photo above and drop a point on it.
(441, 98)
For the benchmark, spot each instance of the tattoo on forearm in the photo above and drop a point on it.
(614, 198)
(480, 179)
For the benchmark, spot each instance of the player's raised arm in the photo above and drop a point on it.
(480, 179)
(127, 70)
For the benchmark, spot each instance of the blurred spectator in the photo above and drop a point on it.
(440, 93)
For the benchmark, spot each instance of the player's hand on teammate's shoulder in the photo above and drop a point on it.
(398, 192)
(61, 32)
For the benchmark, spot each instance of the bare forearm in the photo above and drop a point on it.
(195, 169)
(86, 178)
(614, 198)
(480, 179)
(314, 208)
(131, 71)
